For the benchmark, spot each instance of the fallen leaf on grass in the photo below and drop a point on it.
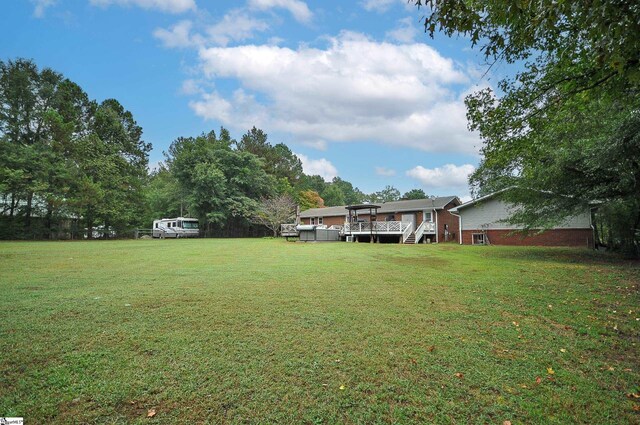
(538, 380)
(550, 371)
(151, 413)
(506, 423)
(636, 407)
(342, 387)
(459, 375)
(562, 350)
(516, 324)
(433, 347)
(634, 395)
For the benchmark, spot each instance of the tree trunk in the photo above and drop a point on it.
(13, 205)
(49, 221)
(89, 220)
(27, 216)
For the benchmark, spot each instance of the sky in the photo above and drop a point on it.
(355, 89)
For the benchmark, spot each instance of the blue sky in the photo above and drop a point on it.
(356, 89)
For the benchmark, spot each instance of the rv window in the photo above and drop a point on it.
(189, 224)
(156, 225)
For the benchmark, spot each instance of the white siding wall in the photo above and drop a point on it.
(489, 213)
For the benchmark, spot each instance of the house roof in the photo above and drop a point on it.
(385, 207)
(498, 192)
(480, 199)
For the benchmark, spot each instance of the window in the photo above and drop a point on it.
(427, 216)
(313, 220)
(477, 239)
(156, 225)
(320, 220)
(390, 217)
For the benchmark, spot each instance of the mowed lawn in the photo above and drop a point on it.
(268, 331)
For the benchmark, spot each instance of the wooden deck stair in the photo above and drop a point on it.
(411, 239)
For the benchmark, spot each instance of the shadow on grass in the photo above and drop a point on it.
(563, 255)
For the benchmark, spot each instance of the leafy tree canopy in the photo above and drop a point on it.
(415, 194)
(566, 122)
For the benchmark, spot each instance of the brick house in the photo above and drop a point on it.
(483, 221)
(408, 221)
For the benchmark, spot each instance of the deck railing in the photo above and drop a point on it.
(288, 229)
(425, 227)
(383, 227)
(407, 232)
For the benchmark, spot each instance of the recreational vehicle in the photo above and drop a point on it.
(179, 227)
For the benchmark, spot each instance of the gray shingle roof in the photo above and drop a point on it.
(385, 207)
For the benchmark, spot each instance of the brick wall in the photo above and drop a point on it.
(452, 221)
(553, 237)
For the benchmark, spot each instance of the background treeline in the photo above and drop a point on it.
(72, 167)
(68, 163)
(223, 182)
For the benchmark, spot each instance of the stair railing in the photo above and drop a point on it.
(407, 232)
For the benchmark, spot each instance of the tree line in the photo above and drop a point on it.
(72, 167)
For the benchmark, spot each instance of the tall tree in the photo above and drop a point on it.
(388, 194)
(415, 194)
(309, 199)
(564, 122)
(222, 184)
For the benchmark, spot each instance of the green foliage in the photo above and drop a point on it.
(278, 160)
(567, 122)
(333, 196)
(415, 194)
(164, 196)
(220, 183)
(67, 159)
(388, 194)
(309, 199)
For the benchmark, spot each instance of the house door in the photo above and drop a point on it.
(409, 218)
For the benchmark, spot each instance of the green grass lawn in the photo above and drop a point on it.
(268, 331)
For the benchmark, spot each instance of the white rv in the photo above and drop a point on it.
(179, 227)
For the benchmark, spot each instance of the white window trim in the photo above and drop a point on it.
(473, 239)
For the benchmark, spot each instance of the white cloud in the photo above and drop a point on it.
(169, 6)
(382, 6)
(297, 8)
(355, 89)
(190, 87)
(235, 26)
(448, 176)
(321, 167)
(179, 35)
(318, 144)
(406, 31)
(383, 171)
(41, 6)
